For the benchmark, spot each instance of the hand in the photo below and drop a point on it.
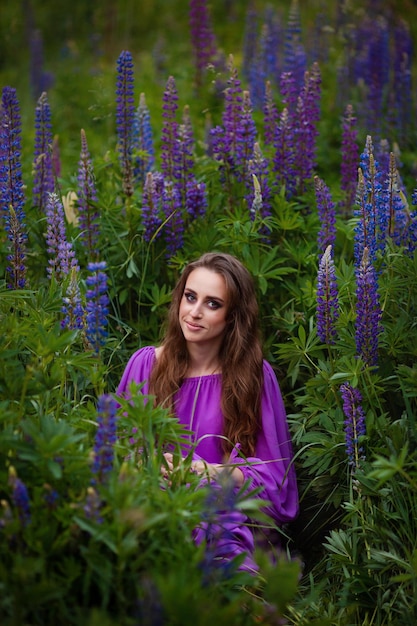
(168, 467)
(213, 471)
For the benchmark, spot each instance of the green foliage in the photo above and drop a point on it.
(122, 552)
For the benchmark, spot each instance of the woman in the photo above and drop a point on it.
(209, 370)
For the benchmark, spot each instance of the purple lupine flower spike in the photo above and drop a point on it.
(185, 164)
(43, 178)
(105, 438)
(350, 160)
(174, 227)
(368, 312)
(20, 497)
(88, 214)
(143, 141)
(326, 209)
(245, 134)
(170, 152)
(284, 159)
(62, 256)
(354, 424)
(294, 53)
(11, 187)
(152, 205)
(203, 40)
(327, 298)
(368, 192)
(125, 114)
(196, 199)
(307, 116)
(233, 105)
(271, 116)
(97, 305)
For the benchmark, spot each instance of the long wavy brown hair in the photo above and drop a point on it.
(240, 354)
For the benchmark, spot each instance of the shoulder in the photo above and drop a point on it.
(270, 377)
(138, 367)
(268, 369)
(141, 361)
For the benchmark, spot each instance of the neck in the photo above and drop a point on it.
(203, 362)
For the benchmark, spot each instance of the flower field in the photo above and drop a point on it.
(134, 137)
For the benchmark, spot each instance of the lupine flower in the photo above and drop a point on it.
(327, 298)
(245, 133)
(40, 80)
(367, 201)
(350, 160)
(92, 506)
(196, 199)
(221, 522)
(11, 187)
(233, 106)
(152, 205)
(221, 149)
(20, 497)
(97, 305)
(249, 40)
(43, 178)
(88, 215)
(294, 53)
(403, 55)
(397, 216)
(185, 155)
(412, 228)
(170, 152)
(72, 307)
(273, 37)
(125, 114)
(289, 90)
(258, 72)
(258, 169)
(284, 160)
(306, 132)
(174, 226)
(368, 312)
(326, 209)
(271, 116)
(203, 40)
(62, 255)
(355, 426)
(143, 141)
(105, 438)
(56, 157)
(376, 72)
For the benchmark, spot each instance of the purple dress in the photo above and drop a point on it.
(198, 409)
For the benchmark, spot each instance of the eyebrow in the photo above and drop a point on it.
(207, 297)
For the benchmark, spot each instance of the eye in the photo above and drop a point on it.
(190, 297)
(213, 304)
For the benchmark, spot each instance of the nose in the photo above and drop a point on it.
(196, 310)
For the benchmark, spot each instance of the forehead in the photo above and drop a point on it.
(206, 282)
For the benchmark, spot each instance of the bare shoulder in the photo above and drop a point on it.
(158, 351)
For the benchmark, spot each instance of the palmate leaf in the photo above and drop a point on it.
(266, 266)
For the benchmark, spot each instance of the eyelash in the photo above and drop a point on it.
(213, 304)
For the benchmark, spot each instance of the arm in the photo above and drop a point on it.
(272, 468)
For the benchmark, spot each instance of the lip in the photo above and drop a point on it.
(193, 326)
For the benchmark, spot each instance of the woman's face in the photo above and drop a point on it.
(203, 307)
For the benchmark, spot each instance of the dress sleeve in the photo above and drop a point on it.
(138, 370)
(272, 468)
